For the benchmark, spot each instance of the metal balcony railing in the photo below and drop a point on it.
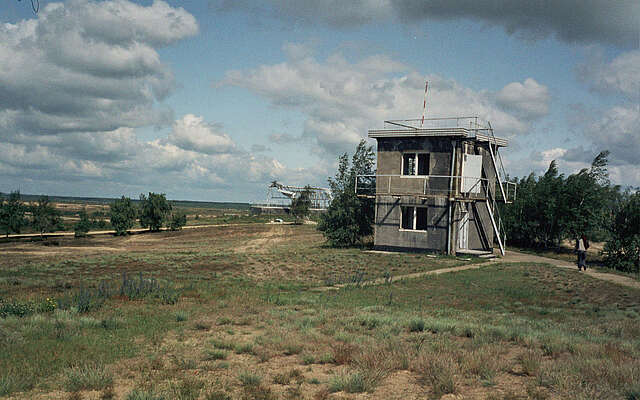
(468, 186)
(444, 185)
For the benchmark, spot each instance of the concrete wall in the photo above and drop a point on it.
(390, 152)
(387, 229)
(389, 235)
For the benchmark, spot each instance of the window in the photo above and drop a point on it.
(409, 164)
(413, 218)
(415, 164)
(407, 217)
(423, 164)
(421, 218)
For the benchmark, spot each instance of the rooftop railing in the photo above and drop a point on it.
(472, 123)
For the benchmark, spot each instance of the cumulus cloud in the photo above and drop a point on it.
(194, 159)
(88, 66)
(342, 99)
(619, 76)
(616, 129)
(573, 21)
(530, 100)
(193, 133)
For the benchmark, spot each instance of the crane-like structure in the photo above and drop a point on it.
(280, 197)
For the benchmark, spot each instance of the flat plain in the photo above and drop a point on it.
(233, 312)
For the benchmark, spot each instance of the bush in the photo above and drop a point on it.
(44, 217)
(154, 210)
(178, 220)
(11, 214)
(416, 325)
(15, 308)
(123, 215)
(83, 226)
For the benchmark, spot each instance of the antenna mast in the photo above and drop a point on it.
(424, 103)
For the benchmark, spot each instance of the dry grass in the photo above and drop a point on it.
(511, 330)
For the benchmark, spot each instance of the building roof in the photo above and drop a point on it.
(464, 127)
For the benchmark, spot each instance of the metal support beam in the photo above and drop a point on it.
(495, 228)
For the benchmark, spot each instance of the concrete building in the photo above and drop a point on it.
(437, 185)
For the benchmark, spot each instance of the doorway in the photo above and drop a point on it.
(463, 230)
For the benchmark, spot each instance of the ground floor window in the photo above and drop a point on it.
(413, 218)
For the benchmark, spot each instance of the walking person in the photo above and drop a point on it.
(582, 244)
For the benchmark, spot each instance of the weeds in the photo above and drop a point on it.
(143, 395)
(87, 377)
(186, 389)
(530, 362)
(216, 354)
(217, 395)
(249, 379)
(355, 382)
(437, 370)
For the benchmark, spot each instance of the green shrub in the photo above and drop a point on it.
(249, 379)
(16, 308)
(215, 354)
(355, 382)
(181, 316)
(416, 325)
(83, 225)
(178, 220)
(245, 348)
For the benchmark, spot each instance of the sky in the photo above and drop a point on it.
(212, 100)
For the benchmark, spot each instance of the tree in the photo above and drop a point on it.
(12, 214)
(83, 225)
(349, 218)
(154, 210)
(552, 208)
(622, 250)
(122, 214)
(178, 220)
(44, 217)
(300, 204)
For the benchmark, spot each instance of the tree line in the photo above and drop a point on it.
(153, 212)
(553, 207)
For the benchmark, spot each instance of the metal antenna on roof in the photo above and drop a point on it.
(424, 103)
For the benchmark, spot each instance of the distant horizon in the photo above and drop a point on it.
(135, 198)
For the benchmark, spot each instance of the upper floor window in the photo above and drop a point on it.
(415, 164)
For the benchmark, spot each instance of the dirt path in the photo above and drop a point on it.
(131, 231)
(511, 256)
(514, 256)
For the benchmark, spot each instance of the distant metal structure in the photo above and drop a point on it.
(280, 197)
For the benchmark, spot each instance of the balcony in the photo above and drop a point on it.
(458, 187)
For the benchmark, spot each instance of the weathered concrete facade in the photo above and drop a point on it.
(434, 192)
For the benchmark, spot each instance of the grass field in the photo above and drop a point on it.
(233, 313)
